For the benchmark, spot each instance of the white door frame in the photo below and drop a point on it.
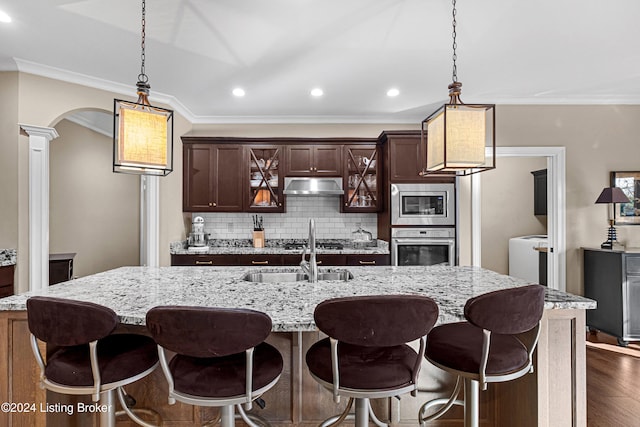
(556, 208)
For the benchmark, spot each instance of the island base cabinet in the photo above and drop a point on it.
(553, 396)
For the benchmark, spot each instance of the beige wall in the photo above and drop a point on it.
(507, 208)
(93, 211)
(8, 160)
(598, 139)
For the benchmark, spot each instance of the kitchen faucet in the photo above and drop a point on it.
(310, 267)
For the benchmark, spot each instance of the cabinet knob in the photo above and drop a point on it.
(367, 262)
(215, 204)
(210, 204)
(346, 204)
(259, 262)
(204, 262)
(279, 204)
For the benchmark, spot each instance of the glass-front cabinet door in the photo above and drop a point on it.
(361, 179)
(265, 180)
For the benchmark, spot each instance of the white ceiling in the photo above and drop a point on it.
(509, 52)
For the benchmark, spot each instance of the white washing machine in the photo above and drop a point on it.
(524, 258)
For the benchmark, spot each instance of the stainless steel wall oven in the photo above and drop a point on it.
(423, 246)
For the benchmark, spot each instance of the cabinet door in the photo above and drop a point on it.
(229, 183)
(265, 179)
(633, 302)
(198, 177)
(405, 158)
(314, 160)
(300, 160)
(327, 160)
(361, 180)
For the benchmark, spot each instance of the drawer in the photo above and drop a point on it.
(259, 260)
(371, 260)
(6, 276)
(633, 264)
(202, 260)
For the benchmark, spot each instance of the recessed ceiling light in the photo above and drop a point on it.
(317, 92)
(238, 92)
(393, 92)
(4, 17)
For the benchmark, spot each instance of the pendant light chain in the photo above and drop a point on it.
(455, 45)
(142, 77)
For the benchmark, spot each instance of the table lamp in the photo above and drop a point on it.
(611, 195)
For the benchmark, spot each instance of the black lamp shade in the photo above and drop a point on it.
(612, 195)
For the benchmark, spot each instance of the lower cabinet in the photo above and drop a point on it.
(278, 259)
(6, 280)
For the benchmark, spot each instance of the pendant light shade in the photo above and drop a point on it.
(460, 139)
(142, 133)
(143, 139)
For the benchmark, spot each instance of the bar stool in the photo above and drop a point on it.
(496, 344)
(85, 358)
(366, 354)
(221, 358)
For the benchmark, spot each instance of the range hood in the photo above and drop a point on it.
(294, 186)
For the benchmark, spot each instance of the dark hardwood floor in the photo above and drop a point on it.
(613, 382)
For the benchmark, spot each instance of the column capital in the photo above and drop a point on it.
(29, 130)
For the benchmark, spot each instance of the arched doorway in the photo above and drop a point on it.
(94, 212)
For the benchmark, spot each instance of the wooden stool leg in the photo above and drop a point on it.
(471, 403)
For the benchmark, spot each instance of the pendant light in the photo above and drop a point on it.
(142, 133)
(457, 135)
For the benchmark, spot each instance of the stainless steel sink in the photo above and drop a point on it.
(294, 276)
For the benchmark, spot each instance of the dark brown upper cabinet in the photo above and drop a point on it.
(212, 178)
(264, 172)
(405, 156)
(314, 160)
(362, 179)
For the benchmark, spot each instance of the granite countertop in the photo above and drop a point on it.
(7, 257)
(132, 291)
(276, 246)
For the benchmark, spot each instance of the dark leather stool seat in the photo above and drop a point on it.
(366, 354)
(496, 344)
(221, 358)
(79, 336)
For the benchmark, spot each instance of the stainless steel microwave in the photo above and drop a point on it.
(423, 204)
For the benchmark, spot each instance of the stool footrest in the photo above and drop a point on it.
(448, 403)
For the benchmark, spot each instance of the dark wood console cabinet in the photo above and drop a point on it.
(60, 267)
(612, 278)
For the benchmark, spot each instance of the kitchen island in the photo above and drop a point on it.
(553, 396)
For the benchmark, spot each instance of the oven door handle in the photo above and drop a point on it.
(424, 240)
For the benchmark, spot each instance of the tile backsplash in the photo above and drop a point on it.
(294, 223)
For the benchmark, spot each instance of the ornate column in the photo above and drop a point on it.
(39, 138)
